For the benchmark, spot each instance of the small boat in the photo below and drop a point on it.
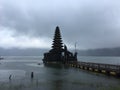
(1, 58)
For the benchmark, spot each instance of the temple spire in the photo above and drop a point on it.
(57, 41)
(58, 53)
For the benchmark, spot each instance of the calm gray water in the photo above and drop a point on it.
(53, 78)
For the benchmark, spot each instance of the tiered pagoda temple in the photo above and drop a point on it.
(59, 53)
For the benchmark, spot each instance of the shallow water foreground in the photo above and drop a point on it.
(50, 78)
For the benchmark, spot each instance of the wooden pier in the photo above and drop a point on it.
(107, 69)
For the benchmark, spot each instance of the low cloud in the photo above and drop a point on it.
(90, 23)
(8, 40)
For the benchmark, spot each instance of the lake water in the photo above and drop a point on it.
(54, 78)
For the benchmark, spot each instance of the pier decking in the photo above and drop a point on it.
(107, 69)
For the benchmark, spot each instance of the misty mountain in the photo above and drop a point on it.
(39, 52)
(100, 52)
(22, 52)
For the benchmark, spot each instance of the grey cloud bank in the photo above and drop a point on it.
(90, 23)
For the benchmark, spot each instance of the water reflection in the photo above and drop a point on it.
(57, 72)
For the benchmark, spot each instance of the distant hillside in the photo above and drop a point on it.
(22, 52)
(100, 52)
(39, 52)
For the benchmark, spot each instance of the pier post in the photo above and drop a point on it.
(32, 75)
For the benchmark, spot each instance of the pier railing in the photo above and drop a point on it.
(108, 69)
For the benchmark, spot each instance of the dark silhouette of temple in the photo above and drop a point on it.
(59, 53)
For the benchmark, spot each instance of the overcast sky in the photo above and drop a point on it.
(31, 23)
